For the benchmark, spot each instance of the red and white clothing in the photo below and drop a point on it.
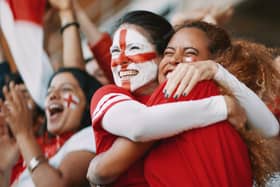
(101, 51)
(210, 156)
(80, 141)
(258, 114)
(110, 96)
(102, 100)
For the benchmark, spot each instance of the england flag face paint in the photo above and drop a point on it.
(133, 59)
(70, 101)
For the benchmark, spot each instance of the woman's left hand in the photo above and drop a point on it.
(16, 111)
(186, 75)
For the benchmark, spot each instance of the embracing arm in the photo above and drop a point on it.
(165, 120)
(258, 114)
(118, 158)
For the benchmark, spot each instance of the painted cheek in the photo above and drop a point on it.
(70, 101)
(190, 59)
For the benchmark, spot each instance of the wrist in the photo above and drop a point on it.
(21, 136)
(229, 104)
(66, 16)
(214, 67)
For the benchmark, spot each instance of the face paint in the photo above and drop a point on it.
(70, 101)
(133, 64)
(189, 59)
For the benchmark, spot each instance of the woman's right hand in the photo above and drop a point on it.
(236, 114)
(186, 75)
(9, 151)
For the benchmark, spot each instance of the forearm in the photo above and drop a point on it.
(30, 149)
(5, 178)
(140, 123)
(72, 51)
(92, 33)
(118, 159)
(259, 116)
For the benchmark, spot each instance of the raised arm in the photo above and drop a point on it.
(72, 51)
(99, 43)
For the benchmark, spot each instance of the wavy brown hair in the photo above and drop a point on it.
(251, 63)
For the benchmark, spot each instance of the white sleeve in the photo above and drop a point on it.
(138, 122)
(259, 116)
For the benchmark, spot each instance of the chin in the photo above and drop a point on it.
(52, 128)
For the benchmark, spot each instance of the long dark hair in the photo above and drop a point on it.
(158, 28)
(88, 84)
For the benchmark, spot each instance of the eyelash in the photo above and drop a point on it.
(115, 50)
(167, 53)
(190, 53)
(134, 48)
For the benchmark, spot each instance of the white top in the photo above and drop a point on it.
(80, 141)
(258, 114)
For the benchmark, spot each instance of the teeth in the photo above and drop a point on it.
(55, 106)
(128, 73)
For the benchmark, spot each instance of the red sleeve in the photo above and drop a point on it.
(101, 51)
(102, 100)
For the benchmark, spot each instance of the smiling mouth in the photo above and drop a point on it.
(128, 73)
(168, 73)
(55, 109)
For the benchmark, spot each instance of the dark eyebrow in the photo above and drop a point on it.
(170, 48)
(186, 48)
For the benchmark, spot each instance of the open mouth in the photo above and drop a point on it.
(127, 73)
(55, 109)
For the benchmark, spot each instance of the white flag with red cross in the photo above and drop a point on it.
(21, 23)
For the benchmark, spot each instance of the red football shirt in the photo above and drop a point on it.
(210, 156)
(102, 100)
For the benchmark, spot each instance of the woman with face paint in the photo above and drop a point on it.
(64, 162)
(123, 53)
(100, 165)
(136, 49)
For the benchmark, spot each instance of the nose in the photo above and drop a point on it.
(177, 58)
(54, 95)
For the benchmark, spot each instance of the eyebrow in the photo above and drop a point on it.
(185, 48)
(196, 50)
(64, 84)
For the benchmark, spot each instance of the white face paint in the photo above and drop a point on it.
(130, 72)
(70, 101)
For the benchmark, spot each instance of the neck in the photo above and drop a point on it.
(146, 89)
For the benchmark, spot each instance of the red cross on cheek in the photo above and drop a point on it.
(123, 59)
(70, 99)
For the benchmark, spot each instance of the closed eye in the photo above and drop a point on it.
(168, 53)
(115, 49)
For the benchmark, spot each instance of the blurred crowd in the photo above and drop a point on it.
(159, 103)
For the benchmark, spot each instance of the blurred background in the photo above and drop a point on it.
(256, 20)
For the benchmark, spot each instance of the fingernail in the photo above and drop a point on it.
(176, 96)
(184, 94)
(166, 95)
(164, 91)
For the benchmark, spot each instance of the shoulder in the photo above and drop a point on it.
(108, 94)
(81, 140)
